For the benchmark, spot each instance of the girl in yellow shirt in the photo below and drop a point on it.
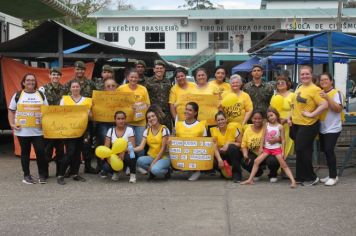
(227, 137)
(157, 162)
(220, 80)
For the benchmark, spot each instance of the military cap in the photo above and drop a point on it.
(79, 64)
(160, 62)
(55, 70)
(257, 65)
(107, 68)
(140, 62)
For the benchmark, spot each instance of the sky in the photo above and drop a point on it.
(173, 4)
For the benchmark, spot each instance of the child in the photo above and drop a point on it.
(273, 130)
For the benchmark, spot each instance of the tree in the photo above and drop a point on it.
(197, 4)
(123, 5)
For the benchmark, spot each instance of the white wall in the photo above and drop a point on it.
(301, 4)
(15, 26)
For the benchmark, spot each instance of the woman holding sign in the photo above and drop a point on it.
(142, 101)
(120, 130)
(157, 162)
(192, 128)
(73, 145)
(220, 74)
(25, 118)
(227, 137)
(240, 109)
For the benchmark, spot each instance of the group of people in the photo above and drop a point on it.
(266, 124)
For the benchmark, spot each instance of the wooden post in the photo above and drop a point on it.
(60, 47)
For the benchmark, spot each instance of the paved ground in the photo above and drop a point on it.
(210, 206)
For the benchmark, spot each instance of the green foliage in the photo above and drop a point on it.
(197, 5)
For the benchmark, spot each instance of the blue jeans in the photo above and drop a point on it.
(160, 168)
(101, 131)
(138, 137)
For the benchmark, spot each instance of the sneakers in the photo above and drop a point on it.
(42, 180)
(60, 180)
(331, 181)
(127, 172)
(115, 177)
(28, 180)
(273, 180)
(142, 171)
(132, 178)
(195, 176)
(78, 178)
(311, 183)
(103, 174)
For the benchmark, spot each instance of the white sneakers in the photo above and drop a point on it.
(195, 176)
(142, 171)
(329, 181)
(115, 177)
(273, 180)
(132, 178)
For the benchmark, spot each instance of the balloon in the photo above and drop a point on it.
(229, 100)
(226, 170)
(103, 152)
(116, 163)
(277, 102)
(119, 146)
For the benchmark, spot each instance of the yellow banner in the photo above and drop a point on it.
(64, 121)
(208, 106)
(28, 115)
(191, 153)
(106, 103)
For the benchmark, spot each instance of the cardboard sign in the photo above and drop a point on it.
(28, 115)
(61, 122)
(191, 153)
(106, 103)
(208, 106)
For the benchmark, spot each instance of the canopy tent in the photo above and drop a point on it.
(246, 66)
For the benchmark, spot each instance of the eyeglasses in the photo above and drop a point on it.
(281, 83)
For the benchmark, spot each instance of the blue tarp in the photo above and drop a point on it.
(246, 66)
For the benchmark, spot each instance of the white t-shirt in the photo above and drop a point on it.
(332, 122)
(27, 98)
(194, 124)
(129, 132)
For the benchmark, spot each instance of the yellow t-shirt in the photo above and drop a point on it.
(282, 104)
(154, 141)
(236, 113)
(223, 87)
(196, 129)
(177, 92)
(233, 130)
(208, 89)
(252, 140)
(307, 98)
(67, 100)
(141, 95)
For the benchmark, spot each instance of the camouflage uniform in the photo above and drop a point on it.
(142, 80)
(99, 83)
(53, 93)
(158, 90)
(260, 95)
(86, 87)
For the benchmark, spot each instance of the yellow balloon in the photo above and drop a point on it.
(116, 163)
(103, 152)
(119, 146)
(277, 102)
(229, 100)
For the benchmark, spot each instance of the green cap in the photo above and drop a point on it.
(80, 64)
(107, 68)
(160, 62)
(55, 70)
(140, 62)
(257, 65)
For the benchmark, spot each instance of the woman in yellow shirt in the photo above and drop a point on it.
(191, 128)
(307, 106)
(203, 87)
(73, 146)
(282, 102)
(251, 146)
(220, 80)
(157, 162)
(227, 137)
(142, 102)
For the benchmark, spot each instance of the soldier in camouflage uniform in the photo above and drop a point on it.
(140, 68)
(259, 91)
(54, 92)
(158, 88)
(107, 72)
(86, 90)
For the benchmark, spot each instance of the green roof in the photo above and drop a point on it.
(226, 14)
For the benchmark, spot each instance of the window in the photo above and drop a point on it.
(256, 37)
(187, 40)
(219, 40)
(155, 40)
(111, 37)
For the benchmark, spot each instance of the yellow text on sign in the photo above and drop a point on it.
(106, 103)
(208, 106)
(61, 122)
(28, 115)
(191, 153)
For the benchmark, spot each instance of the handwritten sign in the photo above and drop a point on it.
(106, 103)
(191, 153)
(61, 122)
(208, 106)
